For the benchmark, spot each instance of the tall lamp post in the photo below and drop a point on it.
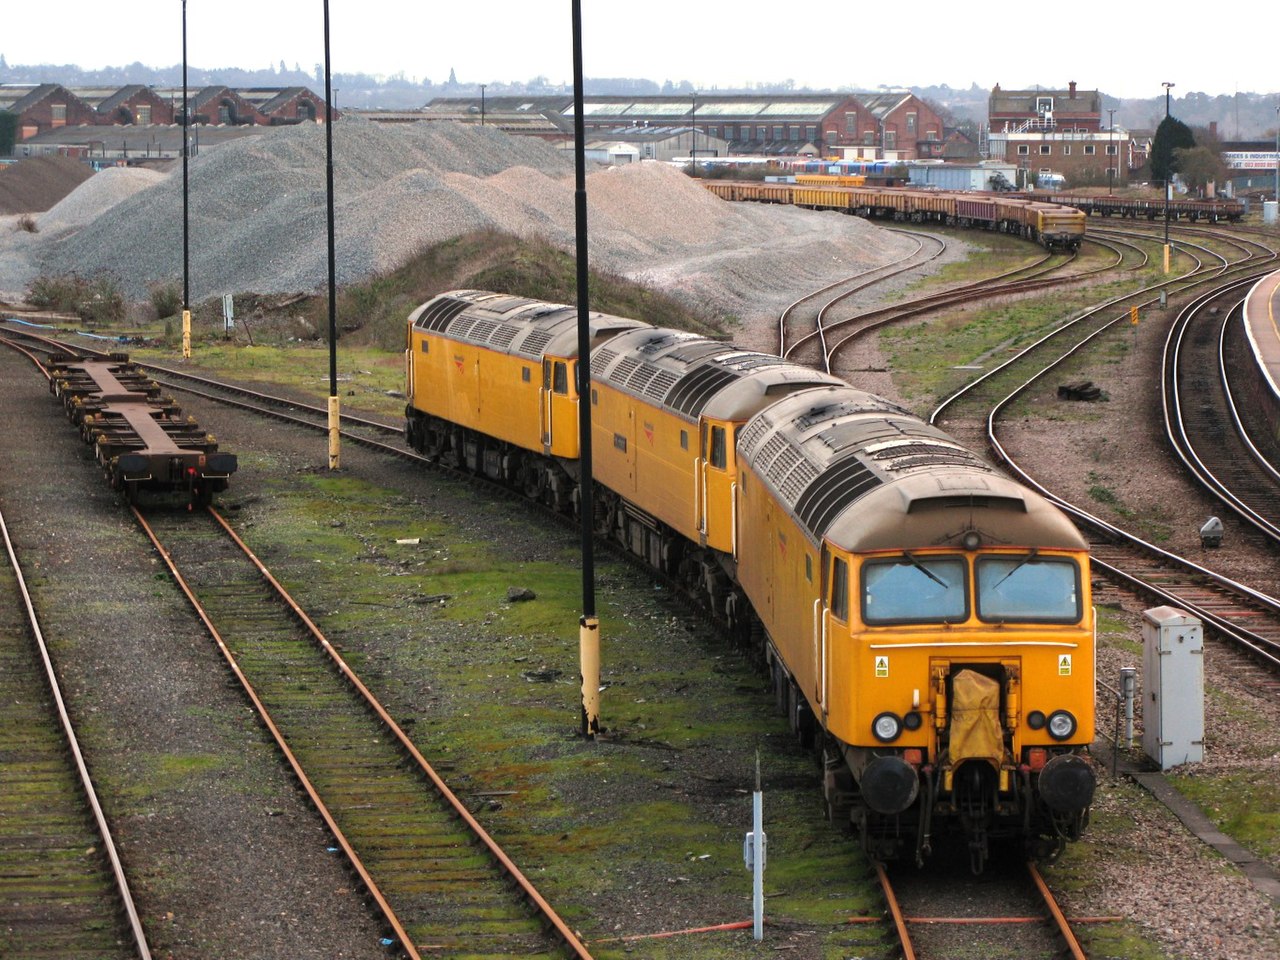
(1111, 149)
(186, 218)
(482, 86)
(693, 129)
(1168, 183)
(335, 416)
(589, 623)
(1277, 197)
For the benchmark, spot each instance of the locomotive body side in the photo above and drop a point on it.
(667, 406)
(491, 382)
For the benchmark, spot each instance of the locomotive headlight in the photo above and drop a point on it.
(971, 541)
(886, 727)
(1035, 720)
(912, 721)
(1061, 724)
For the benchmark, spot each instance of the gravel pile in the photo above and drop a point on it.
(36, 184)
(94, 197)
(257, 208)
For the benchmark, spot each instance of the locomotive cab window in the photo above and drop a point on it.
(1028, 588)
(839, 589)
(560, 378)
(716, 452)
(911, 589)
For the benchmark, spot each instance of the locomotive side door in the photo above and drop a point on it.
(831, 620)
(544, 404)
(559, 407)
(717, 487)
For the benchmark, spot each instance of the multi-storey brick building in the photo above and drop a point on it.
(1056, 132)
(47, 107)
(879, 125)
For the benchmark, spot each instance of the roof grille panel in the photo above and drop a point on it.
(695, 389)
(482, 330)
(601, 359)
(953, 458)
(791, 474)
(661, 384)
(534, 343)
(834, 489)
(623, 371)
(751, 435)
(437, 316)
(502, 336)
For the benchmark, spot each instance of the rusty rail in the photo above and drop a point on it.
(1059, 919)
(895, 912)
(127, 905)
(526, 889)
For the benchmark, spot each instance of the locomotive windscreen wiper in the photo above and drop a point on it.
(1018, 566)
(926, 571)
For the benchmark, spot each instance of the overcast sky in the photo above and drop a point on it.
(1119, 49)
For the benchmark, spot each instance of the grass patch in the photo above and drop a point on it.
(1244, 804)
(474, 679)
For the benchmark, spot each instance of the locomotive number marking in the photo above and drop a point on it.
(1064, 665)
(882, 666)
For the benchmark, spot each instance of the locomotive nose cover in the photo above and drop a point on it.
(975, 718)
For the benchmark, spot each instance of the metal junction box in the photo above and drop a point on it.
(1173, 687)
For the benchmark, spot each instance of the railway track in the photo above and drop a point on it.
(1010, 913)
(819, 346)
(441, 884)
(806, 314)
(1246, 621)
(63, 886)
(1202, 421)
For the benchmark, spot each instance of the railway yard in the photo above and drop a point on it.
(463, 814)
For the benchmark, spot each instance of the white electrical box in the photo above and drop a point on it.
(1173, 687)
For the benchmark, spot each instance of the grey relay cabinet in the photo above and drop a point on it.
(1173, 685)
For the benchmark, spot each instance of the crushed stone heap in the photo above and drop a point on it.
(257, 209)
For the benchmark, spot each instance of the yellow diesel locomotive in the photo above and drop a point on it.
(926, 622)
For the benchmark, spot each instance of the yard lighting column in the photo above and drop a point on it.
(1111, 141)
(482, 86)
(1168, 183)
(186, 220)
(589, 624)
(1277, 196)
(693, 129)
(335, 418)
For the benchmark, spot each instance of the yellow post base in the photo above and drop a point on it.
(186, 334)
(1167, 248)
(335, 434)
(589, 657)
